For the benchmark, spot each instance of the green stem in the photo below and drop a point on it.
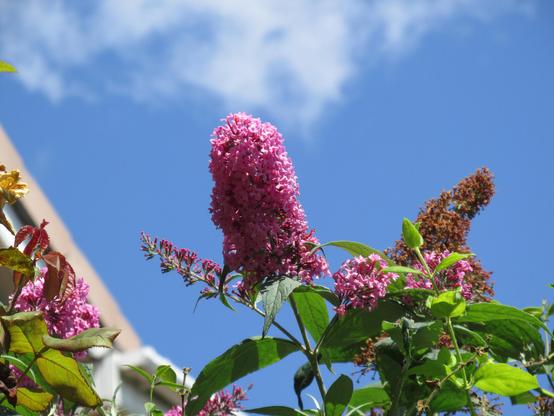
(394, 409)
(325, 333)
(430, 275)
(184, 393)
(101, 411)
(275, 323)
(459, 356)
(300, 323)
(311, 354)
(152, 386)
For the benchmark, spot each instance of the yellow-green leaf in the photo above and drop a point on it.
(448, 304)
(503, 379)
(93, 337)
(27, 330)
(6, 67)
(15, 260)
(33, 400)
(64, 375)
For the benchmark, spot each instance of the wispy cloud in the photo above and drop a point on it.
(291, 58)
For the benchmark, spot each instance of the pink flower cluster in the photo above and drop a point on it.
(184, 261)
(63, 319)
(254, 202)
(360, 282)
(224, 403)
(447, 279)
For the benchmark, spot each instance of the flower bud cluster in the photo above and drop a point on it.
(450, 278)
(184, 261)
(222, 403)
(361, 282)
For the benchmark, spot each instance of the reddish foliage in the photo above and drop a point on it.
(60, 278)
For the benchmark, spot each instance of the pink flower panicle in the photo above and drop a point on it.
(360, 282)
(254, 203)
(185, 262)
(224, 403)
(450, 278)
(63, 319)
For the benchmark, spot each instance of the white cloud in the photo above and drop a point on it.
(288, 57)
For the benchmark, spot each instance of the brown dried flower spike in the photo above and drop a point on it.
(444, 223)
(11, 189)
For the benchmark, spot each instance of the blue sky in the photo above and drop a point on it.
(382, 104)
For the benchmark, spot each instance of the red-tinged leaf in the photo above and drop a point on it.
(39, 239)
(60, 277)
(23, 233)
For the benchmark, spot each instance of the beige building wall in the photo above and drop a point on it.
(35, 207)
(110, 366)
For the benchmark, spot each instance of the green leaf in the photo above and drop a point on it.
(509, 339)
(26, 330)
(250, 355)
(59, 371)
(33, 400)
(322, 291)
(469, 337)
(448, 304)
(401, 269)
(451, 259)
(20, 365)
(414, 337)
(354, 249)
(274, 411)
(425, 334)
(35, 375)
(64, 375)
(411, 235)
(534, 310)
(369, 397)
(6, 67)
(338, 396)
(93, 337)
(359, 325)
(166, 374)
(389, 361)
(15, 260)
(503, 379)
(152, 410)
(142, 373)
(449, 398)
(223, 299)
(523, 398)
(547, 393)
(550, 310)
(433, 369)
(486, 312)
(312, 310)
(273, 297)
(303, 377)
(172, 386)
